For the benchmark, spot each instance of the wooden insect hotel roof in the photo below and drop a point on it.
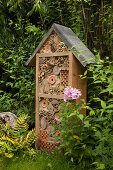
(70, 39)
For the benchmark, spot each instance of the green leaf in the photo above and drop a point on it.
(85, 73)
(110, 106)
(81, 116)
(101, 166)
(103, 104)
(92, 112)
(73, 114)
(49, 165)
(11, 130)
(98, 134)
(71, 159)
(86, 124)
(4, 128)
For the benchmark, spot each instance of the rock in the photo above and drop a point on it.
(9, 118)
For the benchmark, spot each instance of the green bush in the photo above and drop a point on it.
(88, 140)
(17, 81)
(101, 110)
(75, 135)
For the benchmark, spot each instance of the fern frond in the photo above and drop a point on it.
(21, 123)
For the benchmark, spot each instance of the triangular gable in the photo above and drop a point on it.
(53, 40)
(53, 44)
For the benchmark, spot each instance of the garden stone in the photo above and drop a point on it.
(9, 118)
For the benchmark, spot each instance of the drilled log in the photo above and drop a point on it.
(43, 123)
(56, 70)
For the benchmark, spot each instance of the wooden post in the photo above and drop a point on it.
(77, 82)
(70, 68)
(37, 99)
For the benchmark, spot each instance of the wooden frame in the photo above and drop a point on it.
(75, 69)
(37, 99)
(51, 96)
(58, 54)
(70, 68)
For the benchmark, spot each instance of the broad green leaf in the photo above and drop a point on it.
(103, 104)
(110, 106)
(81, 116)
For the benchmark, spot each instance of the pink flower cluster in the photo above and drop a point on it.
(71, 93)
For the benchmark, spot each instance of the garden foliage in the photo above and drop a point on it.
(23, 24)
(17, 81)
(88, 140)
(17, 141)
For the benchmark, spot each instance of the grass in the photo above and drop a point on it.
(42, 161)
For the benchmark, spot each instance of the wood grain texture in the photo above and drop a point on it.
(58, 54)
(70, 69)
(51, 96)
(77, 82)
(37, 99)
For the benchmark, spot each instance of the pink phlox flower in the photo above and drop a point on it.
(71, 93)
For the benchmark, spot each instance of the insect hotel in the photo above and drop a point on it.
(60, 59)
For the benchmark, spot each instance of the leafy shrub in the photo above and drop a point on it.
(101, 110)
(74, 132)
(17, 81)
(88, 140)
(18, 140)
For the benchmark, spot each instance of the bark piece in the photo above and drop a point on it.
(51, 108)
(56, 70)
(43, 123)
(46, 88)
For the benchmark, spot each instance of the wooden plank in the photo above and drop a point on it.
(51, 96)
(77, 82)
(70, 68)
(75, 73)
(37, 99)
(58, 54)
